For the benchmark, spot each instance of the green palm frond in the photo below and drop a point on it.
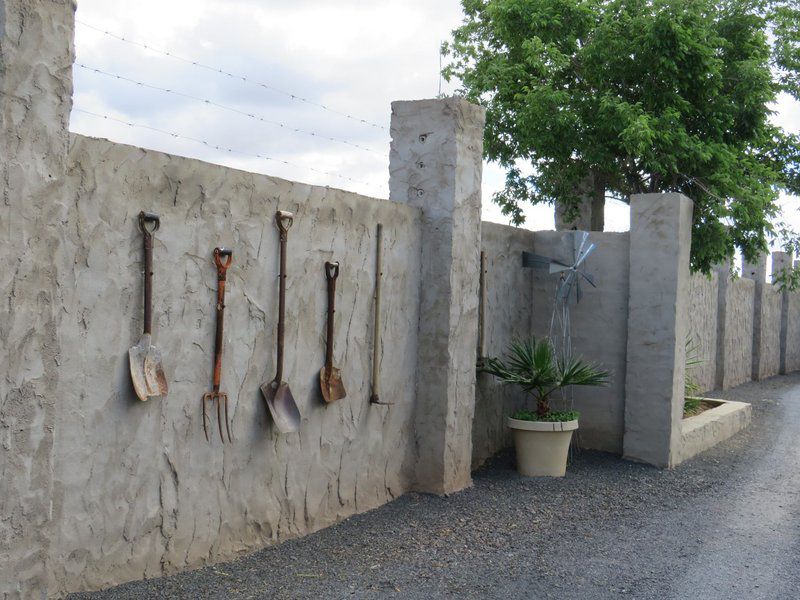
(574, 371)
(534, 366)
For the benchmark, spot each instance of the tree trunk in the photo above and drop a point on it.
(590, 210)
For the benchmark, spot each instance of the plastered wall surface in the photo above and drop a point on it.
(137, 488)
(599, 327)
(35, 100)
(793, 332)
(770, 342)
(509, 303)
(702, 319)
(738, 341)
(520, 303)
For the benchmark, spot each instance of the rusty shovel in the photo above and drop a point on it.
(277, 394)
(330, 379)
(147, 372)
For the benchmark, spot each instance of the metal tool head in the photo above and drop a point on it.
(330, 382)
(220, 399)
(154, 373)
(282, 406)
(136, 356)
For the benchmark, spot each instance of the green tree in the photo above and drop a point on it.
(637, 96)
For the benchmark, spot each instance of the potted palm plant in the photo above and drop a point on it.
(542, 436)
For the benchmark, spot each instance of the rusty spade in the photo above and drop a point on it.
(277, 394)
(215, 396)
(330, 379)
(147, 372)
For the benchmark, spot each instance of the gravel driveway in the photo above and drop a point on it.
(723, 525)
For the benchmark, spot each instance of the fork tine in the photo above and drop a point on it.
(205, 417)
(219, 417)
(227, 420)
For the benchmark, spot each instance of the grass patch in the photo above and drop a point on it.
(694, 406)
(553, 415)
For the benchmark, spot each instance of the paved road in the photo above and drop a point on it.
(724, 525)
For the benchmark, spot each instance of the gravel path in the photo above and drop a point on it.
(723, 525)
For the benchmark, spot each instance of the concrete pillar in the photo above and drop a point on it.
(36, 55)
(435, 164)
(780, 262)
(660, 239)
(757, 271)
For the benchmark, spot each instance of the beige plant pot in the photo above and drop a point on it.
(542, 446)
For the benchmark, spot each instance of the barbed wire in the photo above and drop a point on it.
(230, 75)
(226, 107)
(223, 148)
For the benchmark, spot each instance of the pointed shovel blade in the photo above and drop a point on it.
(154, 373)
(282, 406)
(330, 382)
(136, 356)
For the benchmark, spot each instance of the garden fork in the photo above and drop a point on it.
(216, 396)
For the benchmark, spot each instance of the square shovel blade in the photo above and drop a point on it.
(282, 406)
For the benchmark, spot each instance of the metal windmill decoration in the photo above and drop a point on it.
(570, 276)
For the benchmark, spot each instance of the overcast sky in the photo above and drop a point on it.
(352, 56)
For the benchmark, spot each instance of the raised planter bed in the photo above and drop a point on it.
(710, 427)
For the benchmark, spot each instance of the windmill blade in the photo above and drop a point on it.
(585, 254)
(579, 240)
(535, 261)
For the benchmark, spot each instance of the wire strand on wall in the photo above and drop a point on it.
(225, 73)
(232, 109)
(222, 148)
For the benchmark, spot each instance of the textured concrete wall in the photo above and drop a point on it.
(138, 489)
(737, 344)
(435, 164)
(792, 357)
(509, 305)
(660, 240)
(599, 328)
(702, 319)
(769, 350)
(35, 100)
(780, 262)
